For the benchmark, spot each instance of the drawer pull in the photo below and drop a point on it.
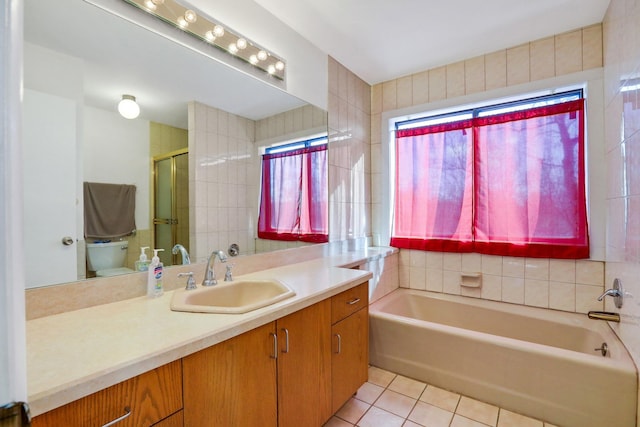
(353, 301)
(275, 345)
(286, 340)
(339, 344)
(127, 411)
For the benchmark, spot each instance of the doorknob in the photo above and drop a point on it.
(67, 241)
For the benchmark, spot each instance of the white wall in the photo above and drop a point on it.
(116, 151)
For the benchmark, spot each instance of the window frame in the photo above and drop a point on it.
(591, 81)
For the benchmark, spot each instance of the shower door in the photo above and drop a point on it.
(171, 204)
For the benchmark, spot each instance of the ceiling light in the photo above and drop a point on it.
(271, 69)
(241, 43)
(253, 59)
(262, 55)
(150, 4)
(279, 65)
(233, 48)
(128, 107)
(157, 2)
(182, 23)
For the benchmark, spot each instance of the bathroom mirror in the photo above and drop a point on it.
(79, 61)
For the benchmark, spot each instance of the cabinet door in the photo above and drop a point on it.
(147, 398)
(304, 366)
(174, 420)
(232, 383)
(350, 357)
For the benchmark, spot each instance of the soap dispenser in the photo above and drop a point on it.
(142, 264)
(154, 278)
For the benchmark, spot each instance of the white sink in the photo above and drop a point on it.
(237, 297)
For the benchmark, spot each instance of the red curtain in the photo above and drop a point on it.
(433, 206)
(293, 201)
(523, 191)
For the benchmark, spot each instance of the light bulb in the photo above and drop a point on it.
(262, 55)
(128, 107)
(279, 65)
(253, 59)
(190, 16)
(233, 48)
(182, 23)
(271, 69)
(150, 5)
(157, 2)
(209, 36)
(218, 31)
(241, 43)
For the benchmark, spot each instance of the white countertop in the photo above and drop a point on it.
(74, 354)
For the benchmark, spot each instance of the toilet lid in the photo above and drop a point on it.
(113, 272)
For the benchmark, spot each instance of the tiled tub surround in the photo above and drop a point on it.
(486, 350)
(567, 285)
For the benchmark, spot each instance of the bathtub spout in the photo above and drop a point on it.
(604, 315)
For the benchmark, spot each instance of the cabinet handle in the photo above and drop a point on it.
(339, 344)
(127, 411)
(275, 345)
(353, 301)
(286, 340)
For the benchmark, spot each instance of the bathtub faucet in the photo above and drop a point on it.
(210, 274)
(617, 293)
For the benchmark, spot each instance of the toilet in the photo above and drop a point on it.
(107, 259)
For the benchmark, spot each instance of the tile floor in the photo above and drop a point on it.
(390, 400)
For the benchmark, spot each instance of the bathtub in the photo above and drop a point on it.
(536, 362)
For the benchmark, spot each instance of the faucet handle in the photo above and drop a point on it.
(228, 276)
(191, 284)
(617, 293)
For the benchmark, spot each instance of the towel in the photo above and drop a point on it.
(109, 210)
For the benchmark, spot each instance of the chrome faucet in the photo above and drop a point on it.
(617, 293)
(210, 274)
(185, 255)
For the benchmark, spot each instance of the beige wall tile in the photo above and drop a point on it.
(536, 268)
(420, 88)
(418, 259)
(474, 75)
(452, 261)
(417, 278)
(455, 80)
(376, 99)
(495, 66)
(389, 95)
(518, 64)
(536, 293)
(492, 264)
(542, 59)
(491, 287)
(435, 260)
(592, 47)
(590, 272)
(568, 52)
(404, 92)
(587, 298)
(513, 267)
(562, 296)
(513, 290)
(471, 263)
(451, 282)
(437, 84)
(562, 270)
(435, 280)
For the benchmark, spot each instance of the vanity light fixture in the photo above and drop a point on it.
(213, 33)
(128, 107)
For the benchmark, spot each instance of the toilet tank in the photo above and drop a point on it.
(102, 256)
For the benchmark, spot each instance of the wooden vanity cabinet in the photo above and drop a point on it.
(350, 335)
(304, 366)
(255, 379)
(150, 398)
(233, 383)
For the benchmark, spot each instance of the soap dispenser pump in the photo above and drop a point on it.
(154, 278)
(142, 264)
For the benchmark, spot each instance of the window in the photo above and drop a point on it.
(293, 200)
(506, 179)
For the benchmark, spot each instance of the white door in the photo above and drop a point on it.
(50, 163)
